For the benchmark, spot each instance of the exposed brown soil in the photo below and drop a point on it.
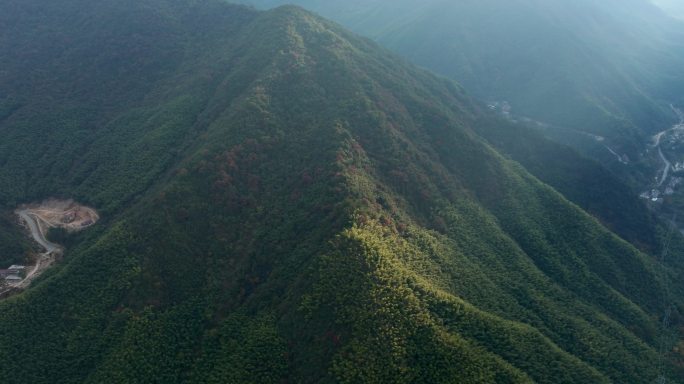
(39, 218)
(66, 214)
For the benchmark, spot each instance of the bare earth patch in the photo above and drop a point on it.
(38, 219)
(65, 214)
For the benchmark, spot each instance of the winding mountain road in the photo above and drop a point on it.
(39, 218)
(45, 259)
(656, 144)
(668, 166)
(36, 231)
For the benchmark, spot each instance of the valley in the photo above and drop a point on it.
(280, 200)
(667, 149)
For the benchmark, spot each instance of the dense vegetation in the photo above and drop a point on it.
(286, 202)
(608, 68)
(14, 246)
(575, 73)
(581, 180)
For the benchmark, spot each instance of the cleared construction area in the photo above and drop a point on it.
(38, 219)
(65, 214)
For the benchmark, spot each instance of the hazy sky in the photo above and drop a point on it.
(674, 7)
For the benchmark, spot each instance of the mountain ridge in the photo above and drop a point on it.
(336, 217)
(578, 67)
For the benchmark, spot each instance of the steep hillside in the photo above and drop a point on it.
(419, 30)
(14, 248)
(607, 68)
(283, 201)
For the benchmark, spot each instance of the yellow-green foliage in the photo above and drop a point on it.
(285, 202)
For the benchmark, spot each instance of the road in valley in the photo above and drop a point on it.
(44, 260)
(668, 166)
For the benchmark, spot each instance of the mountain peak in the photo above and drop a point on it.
(286, 202)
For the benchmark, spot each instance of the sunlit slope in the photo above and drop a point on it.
(599, 75)
(330, 214)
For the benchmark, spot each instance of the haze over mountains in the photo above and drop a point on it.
(283, 201)
(672, 7)
(607, 68)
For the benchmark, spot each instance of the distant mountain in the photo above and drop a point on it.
(588, 68)
(419, 30)
(283, 201)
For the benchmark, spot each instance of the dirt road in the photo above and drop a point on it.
(656, 144)
(36, 231)
(39, 218)
(44, 259)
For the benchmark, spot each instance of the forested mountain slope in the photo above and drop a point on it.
(434, 32)
(607, 68)
(283, 201)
